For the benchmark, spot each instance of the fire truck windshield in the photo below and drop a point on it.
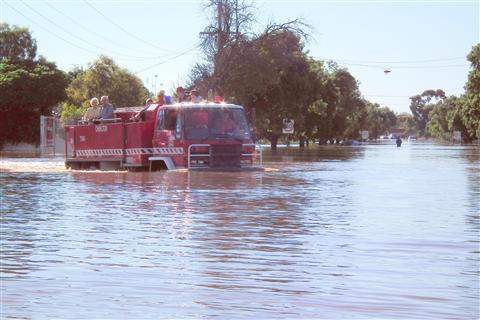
(216, 123)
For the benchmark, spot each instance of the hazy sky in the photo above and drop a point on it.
(423, 43)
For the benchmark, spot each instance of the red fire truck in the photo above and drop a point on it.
(182, 135)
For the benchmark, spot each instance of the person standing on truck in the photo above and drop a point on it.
(194, 97)
(181, 96)
(107, 109)
(160, 102)
(160, 98)
(93, 112)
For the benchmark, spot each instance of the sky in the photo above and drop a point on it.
(423, 43)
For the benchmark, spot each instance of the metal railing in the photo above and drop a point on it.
(203, 155)
(190, 155)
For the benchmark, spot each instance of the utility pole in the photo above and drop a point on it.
(219, 25)
(220, 33)
(237, 26)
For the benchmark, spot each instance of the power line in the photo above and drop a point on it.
(384, 96)
(104, 37)
(396, 62)
(80, 25)
(50, 32)
(405, 67)
(405, 96)
(90, 51)
(79, 38)
(126, 31)
(165, 61)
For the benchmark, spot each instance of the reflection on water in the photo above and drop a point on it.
(331, 232)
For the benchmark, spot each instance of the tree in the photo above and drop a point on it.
(469, 111)
(442, 119)
(266, 72)
(279, 83)
(348, 105)
(407, 124)
(270, 73)
(103, 77)
(29, 87)
(421, 105)
(16, 44)
(379, 120)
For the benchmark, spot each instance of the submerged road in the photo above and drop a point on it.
(373, 231)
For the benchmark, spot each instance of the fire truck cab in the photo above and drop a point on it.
(182, 135)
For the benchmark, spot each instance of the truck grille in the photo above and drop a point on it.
(225, 155)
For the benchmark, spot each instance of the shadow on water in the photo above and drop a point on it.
(314, 154)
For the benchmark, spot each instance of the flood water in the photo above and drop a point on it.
(361, 232)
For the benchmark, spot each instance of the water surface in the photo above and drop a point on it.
(334, 232)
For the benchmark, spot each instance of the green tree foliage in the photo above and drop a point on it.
(443, 119)
(270, 73)
(349, 106)
(103, 77)
(338, 111)
(267, 72)
(421, 105)
(16, 44)
(469, 111)
(283, 84)
(438, 116)
(379, 120)
(29, 87)
(407, 124)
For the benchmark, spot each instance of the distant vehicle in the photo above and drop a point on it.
(412, 138)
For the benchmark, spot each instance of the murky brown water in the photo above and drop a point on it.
(337, 232)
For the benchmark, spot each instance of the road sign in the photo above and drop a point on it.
(364, 134)
(288, 126)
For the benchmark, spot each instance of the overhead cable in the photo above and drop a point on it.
(79, 38)
(107, 38)
(82, 26)
(126, 31)
(50, 32)
(396, 62)
(165, 61)
(405, 67)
